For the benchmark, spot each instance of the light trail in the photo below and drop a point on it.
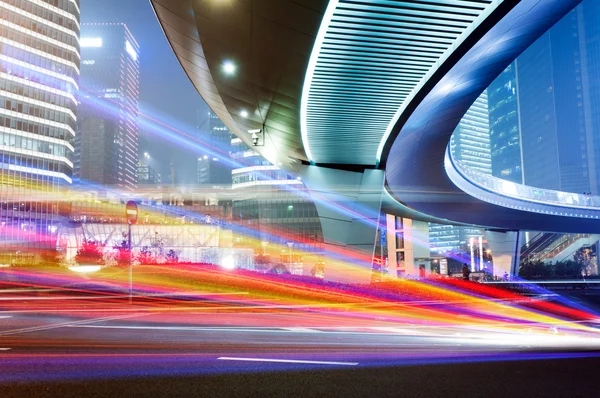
(288, 361)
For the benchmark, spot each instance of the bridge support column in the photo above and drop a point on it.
(348, 204)
(506, 251)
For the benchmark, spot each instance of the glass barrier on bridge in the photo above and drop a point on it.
(523, 192)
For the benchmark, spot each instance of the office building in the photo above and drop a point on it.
(107, 140)
(39, 77)
(214, 166)
(505, 141)
(544, 118)
(276, 206)
(470, 142)
(147, 173)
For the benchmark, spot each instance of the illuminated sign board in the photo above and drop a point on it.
(443, 266)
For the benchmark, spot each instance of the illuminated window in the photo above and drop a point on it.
(91, 42)
(130, 50)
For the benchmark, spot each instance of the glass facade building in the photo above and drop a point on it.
(505, 141)
(39, 77)
(108, 129)
(470, 142)
(446, 238)
(543, 109)
(214, 167)
(147, 175)
(274, 205)
(551, 96)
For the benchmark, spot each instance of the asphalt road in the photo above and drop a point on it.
(117, 350)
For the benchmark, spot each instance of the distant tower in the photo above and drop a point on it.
(470, 142)
(106, 147)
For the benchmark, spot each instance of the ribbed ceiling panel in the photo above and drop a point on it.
(374, 55)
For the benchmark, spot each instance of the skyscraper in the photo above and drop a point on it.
(589, 47)
(544, 123)
(470, 142)
(505, 141)
(469, 145)
(553, 128)
(147, 173)
(214, 166)
(39, 74)
(107, 141)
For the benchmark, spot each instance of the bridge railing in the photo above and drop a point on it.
(524, 192)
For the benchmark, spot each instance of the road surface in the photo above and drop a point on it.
(89, 347)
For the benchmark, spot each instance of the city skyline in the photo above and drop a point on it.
(171, 102)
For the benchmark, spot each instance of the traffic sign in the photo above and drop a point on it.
(131, 212)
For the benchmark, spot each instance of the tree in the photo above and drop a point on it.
(318, 270)
(122, 248)
(51, 257)
(145, 256)
(262, 261)
(586, 256)
(568, 269)
(279, 269)
(537, 269)
(172, 257)
(90, 252)
(157, 244)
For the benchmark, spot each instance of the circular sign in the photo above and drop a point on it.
(131, 212)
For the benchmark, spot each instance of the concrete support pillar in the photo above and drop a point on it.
(393, 266)
(407, 240)
(348, 204)
(506, 251)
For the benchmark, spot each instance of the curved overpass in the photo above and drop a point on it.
(355, 85)
(328, 79)
(420, 173)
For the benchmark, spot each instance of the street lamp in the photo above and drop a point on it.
(291, 246)
(264, 244)
(228, 67)
(131, 213)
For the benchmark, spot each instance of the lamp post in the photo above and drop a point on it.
(264, 244)
(131, 212)
(291, 246)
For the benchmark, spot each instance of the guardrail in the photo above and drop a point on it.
(525, 192)
(519, 196)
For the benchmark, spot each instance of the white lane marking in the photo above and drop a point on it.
(398, 330)
(4, 349)
(5, 316)
(65, 324)
(288, 361)
(304, 330)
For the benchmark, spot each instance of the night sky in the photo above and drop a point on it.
(166, 93)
